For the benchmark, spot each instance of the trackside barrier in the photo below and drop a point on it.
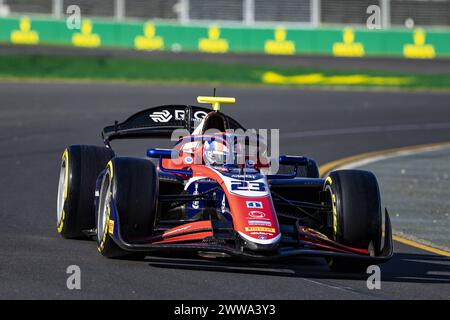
(347, 42)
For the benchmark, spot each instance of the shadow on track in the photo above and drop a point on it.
(404, 267)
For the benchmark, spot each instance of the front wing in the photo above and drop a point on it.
(310, 244)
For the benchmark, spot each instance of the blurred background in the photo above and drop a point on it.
(312, 13)
(235, 41)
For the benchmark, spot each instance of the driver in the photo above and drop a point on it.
(215, 153)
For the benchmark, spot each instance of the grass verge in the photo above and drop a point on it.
(142, 70)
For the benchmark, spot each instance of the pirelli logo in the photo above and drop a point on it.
(259, 229)
(111, 227)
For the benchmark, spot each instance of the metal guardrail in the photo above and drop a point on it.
(247, 12)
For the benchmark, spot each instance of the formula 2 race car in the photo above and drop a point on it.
(198, 197)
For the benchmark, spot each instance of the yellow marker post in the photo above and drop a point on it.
(24, 35)
(149, 41)
(86, 38)
(418, 49)
(348, 48)
(216, 101)
(280, 45)
(213, 44)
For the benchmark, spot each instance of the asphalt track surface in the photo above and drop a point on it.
(37, 121)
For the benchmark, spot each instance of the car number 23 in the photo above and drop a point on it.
(248, 186)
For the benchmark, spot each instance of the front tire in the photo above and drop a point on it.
(357, 218)
(130, 187)
(80, 167)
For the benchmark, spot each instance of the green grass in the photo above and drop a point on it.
(142, 70)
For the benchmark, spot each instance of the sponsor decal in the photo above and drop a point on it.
(200, 115)
(259, 229)
(111, 227)
(188, 160)
(254, 204)
(179, 114)
(165, 116)
(261, 233)
(161, 116)
(259, 223)
(195, 204)
(223, 204)
(256, 214)
(262, 237)
(244, 176)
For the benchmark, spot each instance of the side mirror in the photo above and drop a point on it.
(293, 160)
(162, 153)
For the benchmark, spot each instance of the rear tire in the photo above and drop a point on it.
(131, 186)
(357, 218)
(80, 167)
(310, 170)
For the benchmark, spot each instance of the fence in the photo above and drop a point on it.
(248, 12)
(347, 42)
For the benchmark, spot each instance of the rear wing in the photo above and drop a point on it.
(160, 122)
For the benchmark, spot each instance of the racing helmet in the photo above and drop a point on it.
(215, 153)
(218, 153)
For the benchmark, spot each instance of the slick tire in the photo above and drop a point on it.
(310, 170)
(130, 188)
(80, 167)
(357, 218)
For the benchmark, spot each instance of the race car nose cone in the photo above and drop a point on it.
(260, 244)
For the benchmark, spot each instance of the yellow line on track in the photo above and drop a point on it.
(327, 167)
(419, 245)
